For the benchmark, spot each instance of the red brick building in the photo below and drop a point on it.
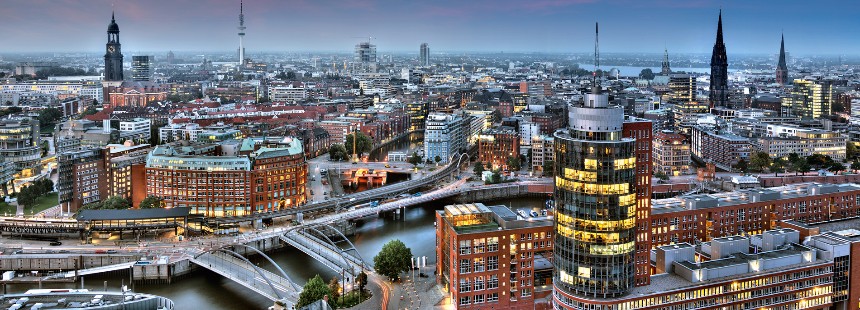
(489, 258)
(641, 131)
(496, 145)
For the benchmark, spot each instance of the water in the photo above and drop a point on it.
(203, 287)
(412, 143)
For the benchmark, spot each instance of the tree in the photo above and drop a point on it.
(646, 74)
(337, 152)
(291, 75)
(741, 165)
(855, 165)
(478, 169)
(850, 150)
(759, 161)
(393, 259)
(27, 196)
(835, 167)
(334, 288)
(364, 144)
(513, 163)
(437, 159)
(115, 203)
(150, 202)
(362, 281)
(661, 175)
(314, 290)
(414, 159)
(90, 110)
(49, 117)
(495, 178)
(548, 168)
(819, 161)
(778, 166)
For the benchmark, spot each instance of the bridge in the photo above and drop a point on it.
(89, 271)
(323, 242)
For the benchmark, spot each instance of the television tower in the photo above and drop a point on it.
(241, 34)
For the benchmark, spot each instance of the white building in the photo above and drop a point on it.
(288, 93)
(137, 130)
(542, 151)
(444, 136)
(175, 132)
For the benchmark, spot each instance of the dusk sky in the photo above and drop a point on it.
(811, 27)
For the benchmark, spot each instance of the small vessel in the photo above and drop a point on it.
(549, 203)
(533, 213)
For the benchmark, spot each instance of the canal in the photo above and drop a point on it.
(203, 287)
(411, 143)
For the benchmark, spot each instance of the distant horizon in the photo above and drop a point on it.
(481, 26)
(405, 52)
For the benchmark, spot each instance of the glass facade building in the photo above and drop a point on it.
(595, 196)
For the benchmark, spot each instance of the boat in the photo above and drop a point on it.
(522, 213)
(533, 213)
(549, 203)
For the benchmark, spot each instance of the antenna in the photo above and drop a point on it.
(596, 58)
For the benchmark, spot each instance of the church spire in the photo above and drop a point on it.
(719, 89)
(665, 70)
(781, 67)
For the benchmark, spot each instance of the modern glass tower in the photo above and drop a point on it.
(595, 195)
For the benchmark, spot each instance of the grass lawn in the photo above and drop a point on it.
(42, 203)
(6, 208)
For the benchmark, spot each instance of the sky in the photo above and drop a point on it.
(548, 26)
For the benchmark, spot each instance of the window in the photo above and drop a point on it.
(465, 247)
(465, 286)
(479, 298)
(493, 281)
(465, 300)
(492, 263)
(492, 244)
(479, 283)
(465, 266)
(479, 264)
(492, 297)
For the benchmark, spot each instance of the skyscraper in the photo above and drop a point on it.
(781, 68)
(364, 59)
(241, 34)
(595, 196)
(719, 90)
(113, 60)
(424, 59)
(140, 68)
(666, 70)
(809, 99)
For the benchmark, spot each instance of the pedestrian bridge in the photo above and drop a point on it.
(329, 246)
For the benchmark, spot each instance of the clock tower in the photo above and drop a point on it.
(113, 61)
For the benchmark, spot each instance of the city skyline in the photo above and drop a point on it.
(549, 26)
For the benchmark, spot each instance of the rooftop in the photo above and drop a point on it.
(704, 201)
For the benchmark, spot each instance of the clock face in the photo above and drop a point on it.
(111, 49)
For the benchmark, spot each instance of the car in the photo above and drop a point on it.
(55, 243)
(100, 252)
(387, 166)
(312, 192)
(351, 199)
(111, 251)
(63, 251)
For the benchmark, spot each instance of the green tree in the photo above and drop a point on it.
(364, 143)
(647, 74)
(337, 152)
(437, 159)
(414, 159)
(850, 150)
(661, 175)
(90, 110)
(855, 165)
(115, 203)
(49, 117)
(150, 202)
(513, 163)
(835, 167)
(291, 75)
(27, 196)
(393, 259)
(759, 161)
(548, 168)
(742, 166)
(314, 290)
(778, 165)
(819, 161)
(478, 169)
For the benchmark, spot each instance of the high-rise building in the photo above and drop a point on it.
(719, 90)
(683, 97)
(781, 68)
(170, 58)
(113, 60)
(140, 68)
(364, 59)
(20, 144)
(665, 70)
(241, 29)
(595, 197)
(424, 59)
(444, 136)
(808, 99)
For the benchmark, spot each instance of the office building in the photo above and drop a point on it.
(266, 174)
(496, 146)
(488, 257)
(683, 97)
(424, 57)
(804, 142)
(137, 130)
(723, 149)
(542, 152)
(671, 154)
(364, 59)
(81, 178)
(20, 144)
(719, 89)
(808, 99)
(141, 68)
(444, 136)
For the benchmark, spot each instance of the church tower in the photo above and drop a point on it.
(666, 70)
(781, 68)
(113, 61)
(719, 91)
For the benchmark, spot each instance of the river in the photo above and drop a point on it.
(203, 287)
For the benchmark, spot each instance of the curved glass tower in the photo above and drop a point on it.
(595, 195)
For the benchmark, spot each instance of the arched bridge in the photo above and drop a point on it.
(329, 246)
